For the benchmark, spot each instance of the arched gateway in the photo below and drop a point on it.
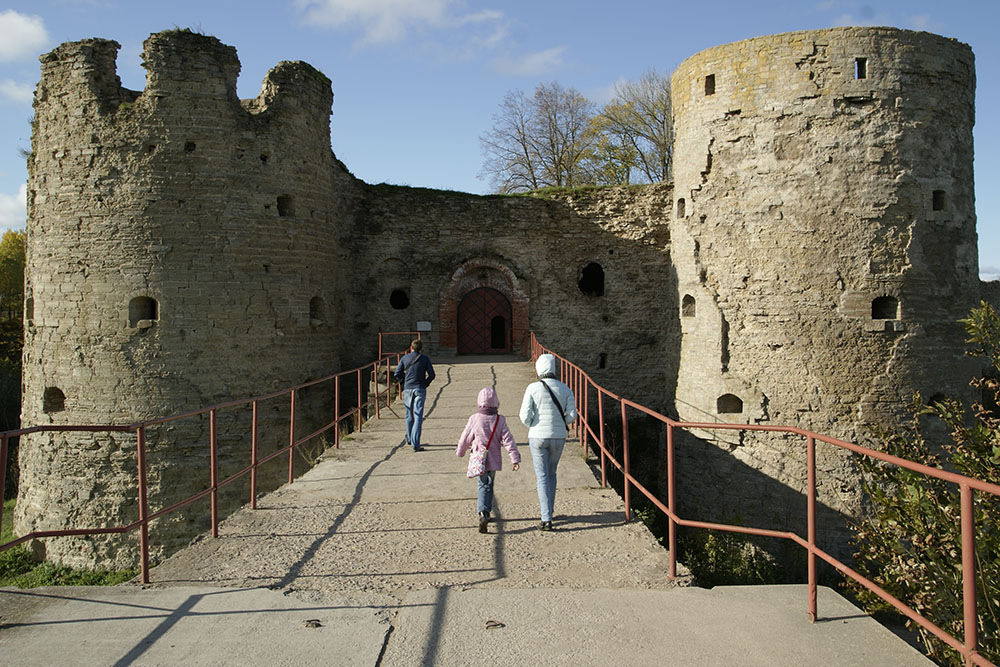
(483, 309)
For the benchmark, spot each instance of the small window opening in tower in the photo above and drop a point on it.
(687, 306)
(399, 299)
(680, 208)
(592, 280)
(189, 146)
(729, 404)
(938, 200)
(602, 360)
(861, 68)
(885, 308)
(53, 400)
(142, 308)
(317, 309)
(285, 207)
(498, 332)
(263, 158)
(29, 309)
(710, 84)
(937, 398)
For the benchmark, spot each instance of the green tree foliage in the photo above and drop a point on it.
(538, 141)
(911, 542)
(638, 123)
(554, 138)
(12, 253)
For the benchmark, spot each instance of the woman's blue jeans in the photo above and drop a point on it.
(486, 480)
(545, 453)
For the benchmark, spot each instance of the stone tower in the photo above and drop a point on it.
(824, 236)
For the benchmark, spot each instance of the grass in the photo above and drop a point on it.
(17, 568)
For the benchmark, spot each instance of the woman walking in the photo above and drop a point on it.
(548, 407)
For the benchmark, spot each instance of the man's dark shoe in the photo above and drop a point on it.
(418, 448)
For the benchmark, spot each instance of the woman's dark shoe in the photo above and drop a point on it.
(545, 525)
(484, 518)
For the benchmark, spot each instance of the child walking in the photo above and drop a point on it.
(487, 430)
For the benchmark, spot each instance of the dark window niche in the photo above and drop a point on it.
(142, 308)
(29, 309)
(317, 309)
(591, 280)
(286, 207)
(399, 299)
(885, 308)
(938, 200)
(681, 208)
(729, 404)
(602, 360)
(189, 146)
(861, 68)
(710, 84)
(688, 306)
(53, 400)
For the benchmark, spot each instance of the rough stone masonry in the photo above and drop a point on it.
(806, 267)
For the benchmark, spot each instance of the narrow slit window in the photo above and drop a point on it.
(681, 206)
(885, 308)
(591, 280)
(286, 208)
(688, 306)
(317, 309)
(142, 308)
(729, 404)
(602, 360)
(710, 84)
(53, 400)
(861, 68)
(938, 200)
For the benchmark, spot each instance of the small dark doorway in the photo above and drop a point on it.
(484, 317)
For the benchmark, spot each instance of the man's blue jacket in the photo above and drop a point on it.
(417, 370)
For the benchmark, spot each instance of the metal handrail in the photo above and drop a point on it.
(581, 383)
(140, 428)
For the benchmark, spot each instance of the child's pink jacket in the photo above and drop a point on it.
(477, 432)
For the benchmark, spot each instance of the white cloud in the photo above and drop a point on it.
(531, 64)
(385, 21)
(12, 209)
(987, 273)
(23, 35)
(16, 92)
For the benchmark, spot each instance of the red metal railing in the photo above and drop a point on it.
(140, 429)
(582, 386)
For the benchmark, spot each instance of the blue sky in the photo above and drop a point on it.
(416, 82)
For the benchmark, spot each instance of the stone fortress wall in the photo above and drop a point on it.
(187, 247)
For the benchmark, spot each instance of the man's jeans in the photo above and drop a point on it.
(486, 491)
(545, 453)
(414, 401)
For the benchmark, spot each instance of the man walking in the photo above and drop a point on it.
(415, 372)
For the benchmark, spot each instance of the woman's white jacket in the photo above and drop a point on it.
(538, 411)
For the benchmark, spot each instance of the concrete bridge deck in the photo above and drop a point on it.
(374, 558)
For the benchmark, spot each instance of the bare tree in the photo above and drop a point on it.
(541, 141)
(638, 123)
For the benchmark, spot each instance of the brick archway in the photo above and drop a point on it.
(477, 274)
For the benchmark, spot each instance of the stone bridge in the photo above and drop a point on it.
(374, 558)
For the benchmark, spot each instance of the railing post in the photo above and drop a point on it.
(811, 521)
(378, 408)
(254, 436)
(585, 416)
(359, 401)
(213, 462)
(671, 526)
(291, 440)
(628, 491)
(600, 417)
(969, 573)
(140, 450)
(336, 411)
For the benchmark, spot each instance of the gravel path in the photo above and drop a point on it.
(376, 520)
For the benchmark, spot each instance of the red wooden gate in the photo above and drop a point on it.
(484, 317)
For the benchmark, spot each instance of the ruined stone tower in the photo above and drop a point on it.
(185, 247)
